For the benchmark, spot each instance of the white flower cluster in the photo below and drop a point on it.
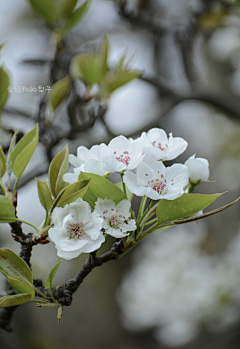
(145, 155)
(174, 287)
(77, 230)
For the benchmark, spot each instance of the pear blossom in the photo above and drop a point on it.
(198, 169)
(156, 143)
(156, 181)
(121, 154)
(116, 220)
(86, 161)
(83, 155)
(76, 230)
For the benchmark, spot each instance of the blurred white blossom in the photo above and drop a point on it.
(174, 286)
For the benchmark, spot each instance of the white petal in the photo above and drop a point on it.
(179, 146)
(74, 160)
(116, 233)
(93, 245)
(144, 174)
(93, 228)
(68, 255)
(71, 177)
(123, 208)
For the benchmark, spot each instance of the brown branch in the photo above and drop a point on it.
(64, 293)
(226, 102)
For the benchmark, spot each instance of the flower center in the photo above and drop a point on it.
(75, 230)
(124, 158)
(114, 220)
(159, 185)
(159, 145)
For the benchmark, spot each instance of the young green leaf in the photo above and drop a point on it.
(100, 187)
(11, 147)
(184, 206)
(73, 192)
(10, 301)
(113, 81)
(45, 9)
(87, 68)
(59, 92)
(51, 274)
(21, 286)
(75, 18)
(4, 83)
(23, 151)
(44, 195)
(57, 168)
(11, 265)
(7, 212)
(3, 163)
(65, 8)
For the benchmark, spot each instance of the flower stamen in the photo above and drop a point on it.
(159, 145)
(75, 230)
(158, 185)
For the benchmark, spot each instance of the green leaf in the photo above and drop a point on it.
(45, 9)
(13, 267)
(103, 55)
(7, 212)
(57, 168)
(73, 192)
(21, 286)
(87, 68)
(65, 8)
(113, 81)
(11, 147)
(10, 301)
(129, 194)
(44, 195)
(75, 18)
(184, 206)
(51, 274)
(3, 163)
(59, 92)
(204, 215)
(100, 187)
(4, 83)
(91, 68)
(23, 152)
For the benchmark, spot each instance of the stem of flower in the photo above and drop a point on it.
(28, 223)
(149, 214)
(123, 184)
(42, 294)
(15, 186)
(142, 206)
(3, 187)
(154, 220)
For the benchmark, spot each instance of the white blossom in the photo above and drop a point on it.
(198, 169)
(76, 230)
(87, 160)
(175, 287)
(116, 220)
(121, 154)
(156, 143)
(156, 181)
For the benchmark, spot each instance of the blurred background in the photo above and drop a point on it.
(179, 288)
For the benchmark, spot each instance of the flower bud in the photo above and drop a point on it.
(198, 169)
